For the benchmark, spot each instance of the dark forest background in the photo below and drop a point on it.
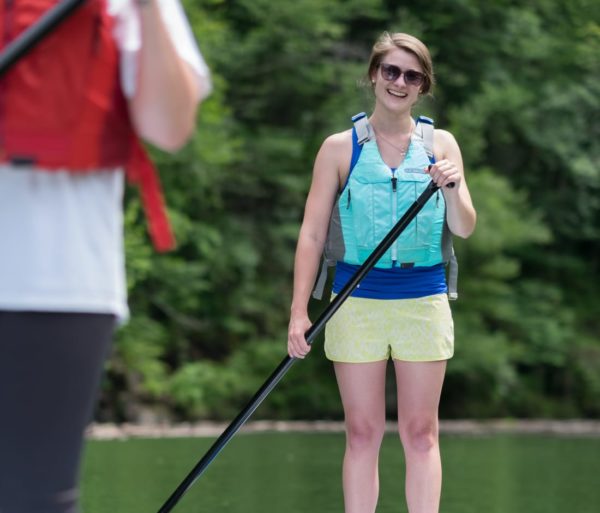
(518, 86)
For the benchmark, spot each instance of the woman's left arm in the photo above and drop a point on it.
(166, 97)
(460, 213)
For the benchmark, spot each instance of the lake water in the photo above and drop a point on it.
(301, 473)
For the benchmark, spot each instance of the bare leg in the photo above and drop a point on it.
(362, 388)
(419, 388)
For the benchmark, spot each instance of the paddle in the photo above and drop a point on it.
(36, 32)
(288, 361)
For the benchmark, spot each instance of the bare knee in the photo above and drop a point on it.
(363, 434)
(419, 434)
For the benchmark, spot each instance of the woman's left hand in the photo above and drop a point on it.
(445, 172)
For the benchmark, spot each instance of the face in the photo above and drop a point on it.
(398, 80)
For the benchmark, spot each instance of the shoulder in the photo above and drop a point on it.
(338, 142)
(336, 150)
(333, 158)
(444, 142)
(444, 137)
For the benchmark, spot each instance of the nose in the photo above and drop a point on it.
(401, 77)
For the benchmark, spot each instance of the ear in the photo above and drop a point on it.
(373, 75)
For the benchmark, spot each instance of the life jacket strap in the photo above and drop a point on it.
(450, 260)
(453, 277)
(364, 131)
(424, 129)
(321, 280)
(141, 171)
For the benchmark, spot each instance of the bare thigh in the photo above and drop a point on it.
(362, 389)
(419, 387)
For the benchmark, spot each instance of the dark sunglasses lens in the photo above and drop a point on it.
(413, 77)
(390, 72)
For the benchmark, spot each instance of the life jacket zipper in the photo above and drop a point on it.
(394, 211)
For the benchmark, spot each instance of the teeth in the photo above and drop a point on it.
(397, 93)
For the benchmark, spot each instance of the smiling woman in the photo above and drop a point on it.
(368, 176)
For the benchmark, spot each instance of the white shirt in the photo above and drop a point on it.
(61, 234)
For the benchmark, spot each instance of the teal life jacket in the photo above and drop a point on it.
(373, 200)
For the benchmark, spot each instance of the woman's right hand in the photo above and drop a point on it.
(334, 155)
(297, 345)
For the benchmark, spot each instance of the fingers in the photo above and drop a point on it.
(297, 345)
(444, 173)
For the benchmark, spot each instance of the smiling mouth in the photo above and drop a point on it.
(397, 94)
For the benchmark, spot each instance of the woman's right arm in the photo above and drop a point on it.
(313, 233)
(168, 90)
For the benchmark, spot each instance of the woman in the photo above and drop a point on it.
(401, 308)
(73, 110)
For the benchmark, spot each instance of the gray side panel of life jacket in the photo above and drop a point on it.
(334, 249)
(450, 258)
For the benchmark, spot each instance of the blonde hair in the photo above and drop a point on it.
(387, 42)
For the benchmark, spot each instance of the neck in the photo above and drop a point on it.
(392, 124)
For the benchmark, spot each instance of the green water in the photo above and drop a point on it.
(294, 473)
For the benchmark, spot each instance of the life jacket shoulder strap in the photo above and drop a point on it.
(364, 130)
(424, 129)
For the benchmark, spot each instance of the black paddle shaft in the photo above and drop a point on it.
(288, 361)
(34, 34)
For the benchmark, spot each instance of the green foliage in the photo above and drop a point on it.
(518, 87)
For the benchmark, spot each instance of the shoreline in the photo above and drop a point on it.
(574, 427)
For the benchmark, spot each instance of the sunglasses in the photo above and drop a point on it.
(391, 73)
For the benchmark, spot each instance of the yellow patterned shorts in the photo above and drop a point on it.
(369, 330)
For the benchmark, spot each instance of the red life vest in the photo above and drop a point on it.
(62, 107)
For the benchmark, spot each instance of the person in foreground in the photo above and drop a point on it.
(72, 113)
(400, 309)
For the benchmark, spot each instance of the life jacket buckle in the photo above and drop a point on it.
(21, 160)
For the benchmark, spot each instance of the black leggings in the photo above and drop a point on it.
(50, 369)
